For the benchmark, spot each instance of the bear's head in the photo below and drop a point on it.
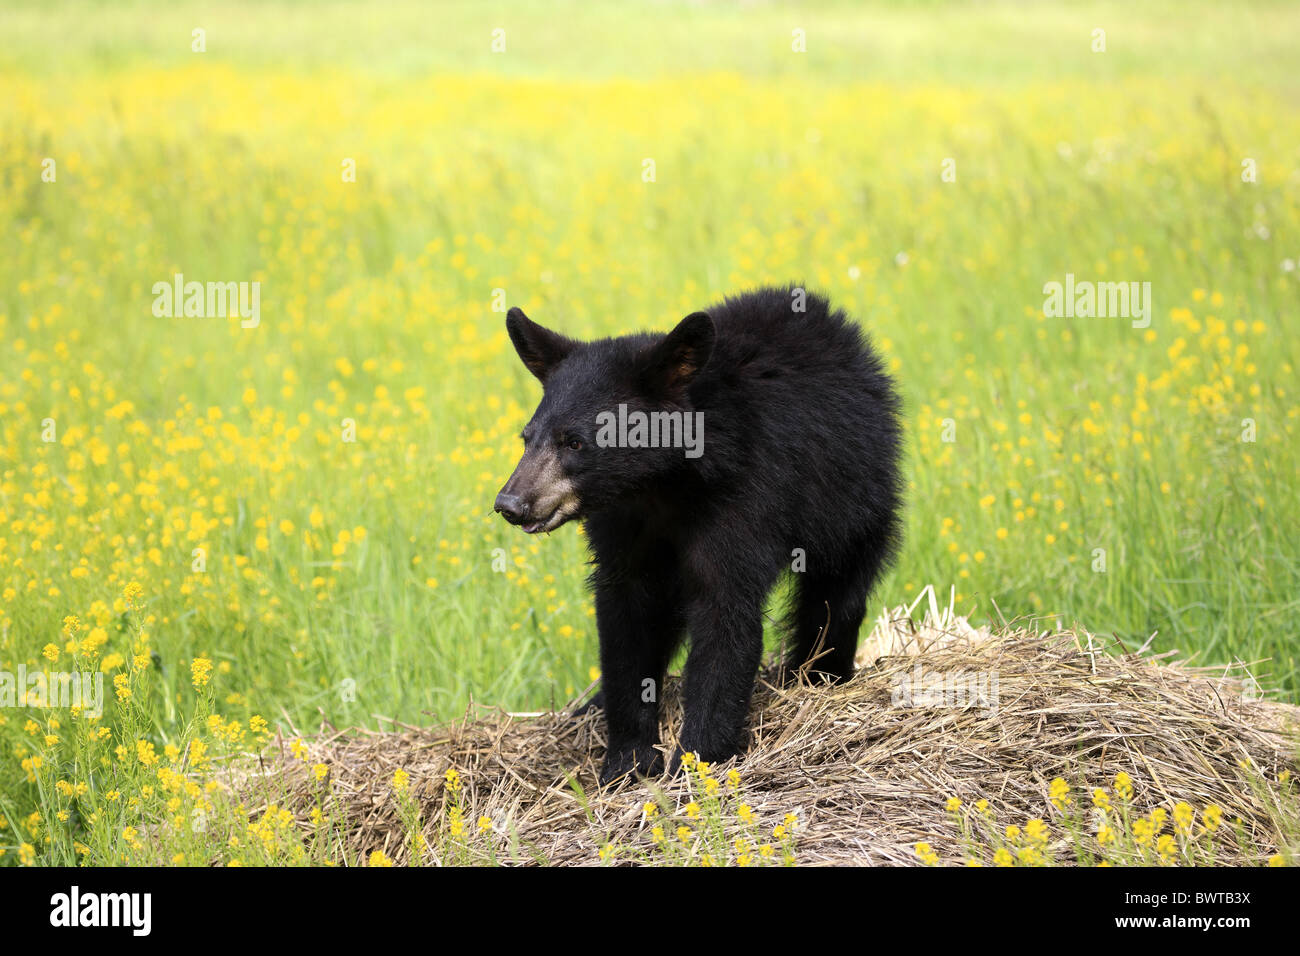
(615, 419)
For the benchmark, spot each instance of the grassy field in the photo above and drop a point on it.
(928, 166)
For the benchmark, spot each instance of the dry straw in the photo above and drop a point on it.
(868, 772)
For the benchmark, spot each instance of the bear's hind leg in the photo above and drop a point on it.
(827, 616)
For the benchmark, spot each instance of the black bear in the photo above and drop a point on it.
(758, 437)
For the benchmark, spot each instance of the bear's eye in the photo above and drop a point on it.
(573, 443)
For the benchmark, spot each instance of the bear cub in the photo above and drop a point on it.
(757, 438)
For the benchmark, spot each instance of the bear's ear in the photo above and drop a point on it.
(540, 349)
(675, 361)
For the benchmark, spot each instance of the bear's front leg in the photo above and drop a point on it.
(726, 647)
(638, 628)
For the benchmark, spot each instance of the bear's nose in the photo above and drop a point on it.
(511, 507)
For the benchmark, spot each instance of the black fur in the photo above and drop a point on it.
(801, 450)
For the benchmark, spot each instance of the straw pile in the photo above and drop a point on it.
(867, 773)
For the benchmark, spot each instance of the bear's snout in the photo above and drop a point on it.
(511, 507)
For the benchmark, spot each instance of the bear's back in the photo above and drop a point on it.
(783, 340)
